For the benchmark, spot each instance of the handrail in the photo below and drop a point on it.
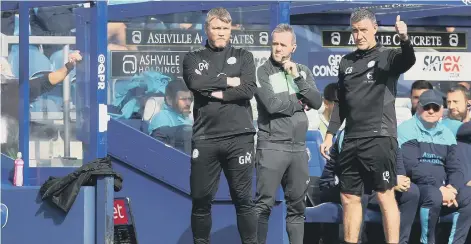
(44, 40)
(59, 40)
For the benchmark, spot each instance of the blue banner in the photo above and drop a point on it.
(324, 66)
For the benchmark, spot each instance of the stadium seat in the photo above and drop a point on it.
(324, 213)
(152, 108)
(314, 119)
(46, 102)
(38, 62)
(316, 161)
(402, 114)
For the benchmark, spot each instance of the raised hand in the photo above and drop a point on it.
(75, 57)
(290, 68)
(401, 28)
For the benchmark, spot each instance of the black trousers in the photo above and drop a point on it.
(290, 169)
(235, 156)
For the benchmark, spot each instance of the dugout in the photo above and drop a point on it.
(153, 36)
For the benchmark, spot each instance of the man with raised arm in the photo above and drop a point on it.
(367, 84)
(283, 87)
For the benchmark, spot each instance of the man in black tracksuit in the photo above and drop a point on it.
(222, 79)
(283, 88)
(366, 96)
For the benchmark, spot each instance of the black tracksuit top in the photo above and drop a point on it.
(367, 85)
(206, 70)
(10, 93)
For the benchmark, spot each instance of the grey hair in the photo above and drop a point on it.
(361, 14)
(284, 28)
(218, 13)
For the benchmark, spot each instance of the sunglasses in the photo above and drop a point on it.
(435, 107)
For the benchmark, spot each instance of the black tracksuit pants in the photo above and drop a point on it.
(290, 170)
(235, 156)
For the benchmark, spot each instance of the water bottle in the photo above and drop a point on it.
(19, 164)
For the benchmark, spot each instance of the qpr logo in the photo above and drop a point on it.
(454, 41)
(136, 37)
(263, 38)
(335, 38)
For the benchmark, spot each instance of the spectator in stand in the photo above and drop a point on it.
(429, 155)
(176, 110)
(458, 99)
(172, 125)
(418, 87)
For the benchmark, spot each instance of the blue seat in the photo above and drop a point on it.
(316, 161)
(325, 212)
(46, 102)
(38, 62)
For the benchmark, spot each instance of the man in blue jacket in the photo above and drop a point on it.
(176, 110)
(407, 193)
(429, 154)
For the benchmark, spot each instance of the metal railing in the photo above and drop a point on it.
(51, 40)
